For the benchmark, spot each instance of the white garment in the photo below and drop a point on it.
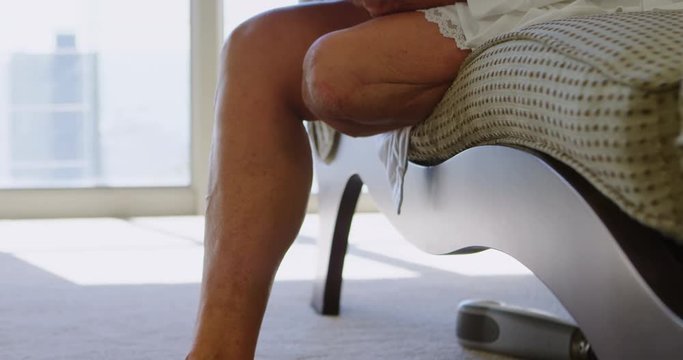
(393, 152)
(482, 20)
(473, 23)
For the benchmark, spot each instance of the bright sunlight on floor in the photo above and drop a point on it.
(169, 251)
(128, 288)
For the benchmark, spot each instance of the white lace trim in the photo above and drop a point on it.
(448, 26)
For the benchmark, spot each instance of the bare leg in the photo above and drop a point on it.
(261, 161)
(401, 66)
(260, 172)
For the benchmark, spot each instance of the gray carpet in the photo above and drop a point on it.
(127, 289)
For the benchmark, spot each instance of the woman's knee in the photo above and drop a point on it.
(271, 47)
(329, 79)
(263, 56)
(291, 30)
(260, 37)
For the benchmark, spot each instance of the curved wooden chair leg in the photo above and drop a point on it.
(337, 205)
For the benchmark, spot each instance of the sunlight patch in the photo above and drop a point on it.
(158, 266)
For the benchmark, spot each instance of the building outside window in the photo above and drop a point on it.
(94, 93)
(53, 117)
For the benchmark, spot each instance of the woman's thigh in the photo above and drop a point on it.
(385, 73)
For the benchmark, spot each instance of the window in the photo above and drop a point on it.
(94, 93)
(106, 106)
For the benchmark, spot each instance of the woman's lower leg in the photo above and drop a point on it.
(260, 176)
(261, 161)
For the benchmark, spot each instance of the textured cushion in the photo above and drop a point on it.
(603, 94)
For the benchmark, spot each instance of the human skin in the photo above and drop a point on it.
(331, 61)
(385, 7)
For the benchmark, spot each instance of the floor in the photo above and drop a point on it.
(128, 289)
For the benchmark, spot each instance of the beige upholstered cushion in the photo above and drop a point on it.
(603, 94)
(599, 93)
